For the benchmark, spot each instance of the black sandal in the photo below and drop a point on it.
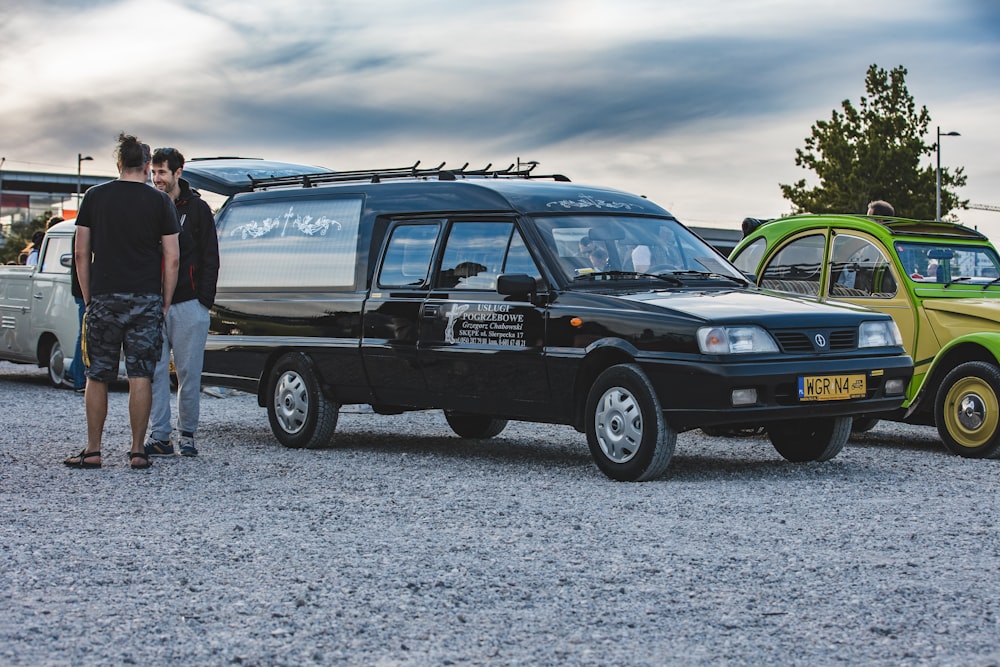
(144, 460)
(80, 460)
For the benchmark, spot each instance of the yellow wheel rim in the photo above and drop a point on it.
(971, 412)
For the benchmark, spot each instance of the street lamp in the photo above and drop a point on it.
(939, 135)
(82, 158)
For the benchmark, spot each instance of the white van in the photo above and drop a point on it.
(39, 318)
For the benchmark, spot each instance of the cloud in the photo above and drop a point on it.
(701, 105)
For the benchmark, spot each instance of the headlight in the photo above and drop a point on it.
(879, 334)
(735, 340)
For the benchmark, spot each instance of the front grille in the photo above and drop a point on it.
(844, 339)
(799, 342)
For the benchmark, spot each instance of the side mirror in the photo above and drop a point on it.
(66, 260)
(516, 284)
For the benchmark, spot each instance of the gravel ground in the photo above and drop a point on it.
(404, 545)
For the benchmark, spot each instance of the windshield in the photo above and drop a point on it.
(929, 262)
(600, 245)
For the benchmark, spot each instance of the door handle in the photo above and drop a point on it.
(39, 295)
(431, 310)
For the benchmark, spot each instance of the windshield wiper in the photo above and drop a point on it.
(707, 274)
(628, 274)
(992, 282)
(955, 280)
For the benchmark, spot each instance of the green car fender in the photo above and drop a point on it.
(976, 346)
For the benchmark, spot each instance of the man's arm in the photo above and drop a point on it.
(208, 274)
(171, 260)
(81, 257)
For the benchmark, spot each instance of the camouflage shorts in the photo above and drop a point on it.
(116, 321)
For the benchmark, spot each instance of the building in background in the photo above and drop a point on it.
(27, 194)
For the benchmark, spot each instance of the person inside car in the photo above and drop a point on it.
(594, 253)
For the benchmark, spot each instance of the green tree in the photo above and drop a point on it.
(19, 237)
(874, 151)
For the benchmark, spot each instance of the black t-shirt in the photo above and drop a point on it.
(127, 220)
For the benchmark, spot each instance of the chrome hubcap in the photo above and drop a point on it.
(971, 412)
(618, 425)
(291, 402)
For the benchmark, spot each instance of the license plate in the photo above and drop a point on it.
(832, 387)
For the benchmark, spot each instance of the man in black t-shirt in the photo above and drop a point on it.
(126, 258)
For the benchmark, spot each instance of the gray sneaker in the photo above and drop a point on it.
(186, 444)
(156, 447)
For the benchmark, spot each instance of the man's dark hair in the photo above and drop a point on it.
(131, 152)
(171, 156)
(879, 207)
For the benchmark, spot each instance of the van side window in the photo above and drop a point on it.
(55, 248)
(290, 244)
(474, 254)
(519, 259)
(408, 256)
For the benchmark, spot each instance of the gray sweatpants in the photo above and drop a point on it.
(185, 333)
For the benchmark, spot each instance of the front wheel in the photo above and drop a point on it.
(628, 437)
(801, 440)
(478, 427)
(863, 424)
(57, 365)
(300, 414)
(967, 410)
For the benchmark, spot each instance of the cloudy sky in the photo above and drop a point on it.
(699, 105)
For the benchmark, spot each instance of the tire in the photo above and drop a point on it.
(801, 440)
(57, 365)
(863, 424)
(967, 410)
(478, 427)
(300, 415)
(628, 437)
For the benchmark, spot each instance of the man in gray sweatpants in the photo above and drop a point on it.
(187, 320)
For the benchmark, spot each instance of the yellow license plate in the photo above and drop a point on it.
(832, 387)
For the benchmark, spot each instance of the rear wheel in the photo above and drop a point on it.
(300, 414)
(474, 426)
(57, 364)
(802, 440)
(628, 437)
(967, 410)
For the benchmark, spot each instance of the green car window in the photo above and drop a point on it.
(859, 268)
(797, 267)
(938, 262)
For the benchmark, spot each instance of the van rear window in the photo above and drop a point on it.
(297, 243)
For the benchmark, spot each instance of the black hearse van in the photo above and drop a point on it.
(496, 295)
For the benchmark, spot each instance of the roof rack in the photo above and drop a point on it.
(413, 171)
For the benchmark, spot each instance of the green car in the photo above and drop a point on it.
(939, 281)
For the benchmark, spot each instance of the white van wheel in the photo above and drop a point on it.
(57, 364)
